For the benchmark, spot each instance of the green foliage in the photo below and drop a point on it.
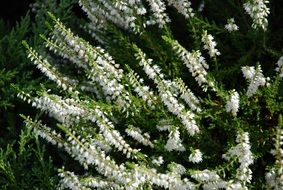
(25, 164)
(156, 58)
(94, 126)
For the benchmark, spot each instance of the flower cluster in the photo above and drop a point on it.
(205, 175)
(158, 161)
(274, 176)
(255, 78)
(258, 11)
(158, 16)
(120, 13)
(142, 90)
(244, 156)
(183, 7)
(167, 97)
(279, 67)
(136, 134)
(48, 70)
(232, 104)
(187, 95)
(98, 64)
(115, 104)
(177, 168)
(69, 180)
(89, 155)
(69, 111)
(195, 156)
(194, 61)
(72, 181)
(231, 26)
(174, 142)
(209, 44)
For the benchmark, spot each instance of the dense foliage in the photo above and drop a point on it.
(24, 162)
(153, 94)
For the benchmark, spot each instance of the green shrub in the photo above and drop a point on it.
(145, 105)
(24, 163)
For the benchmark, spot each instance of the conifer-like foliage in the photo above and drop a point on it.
(140, 107)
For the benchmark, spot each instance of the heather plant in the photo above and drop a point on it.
(24, 162)
(139, 108)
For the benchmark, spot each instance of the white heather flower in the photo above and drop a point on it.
(186, 117)
(142, 90)
(209, 44)
(194, 61)
(217, 184)
(205, 175)
(120, 13)
(164, 127)
(159, 16)
(279, 69)
(167, 97)
(232, 104)
(99, 65)
(174, 142)
(183, 7)
(234, 186)
(270, 178)
(187, 95)
(136, 134)
(177, 168)
(158, 161)
(242, 152)
(275, 174)
(98, 183)
(231, 26)
(248, 72)
(69, 111)
(195, 156)
(201, 6)
(141, 11)
(258, 11)
(274, 179)
(255, 78)
(69, 180)
(51, 72)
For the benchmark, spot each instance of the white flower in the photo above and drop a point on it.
(158, 13)
(177, 168)
(248, 72)
(205, 175)
(255, 78)
(231, 26)
(209, 44)
(195, 156)
(279, 69)
(168, 98)
(174, 142)
(194, 61)
(258, 11)
(234, 186)
(274, 176)
(183, 7)
(232, 104)
(201, 6)
(242, 151)
(69, 180)
(187, 95)
(158, 161)
(136, 134)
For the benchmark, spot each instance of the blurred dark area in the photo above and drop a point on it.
(12, 10)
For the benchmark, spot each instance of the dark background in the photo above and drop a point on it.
(12, 10)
